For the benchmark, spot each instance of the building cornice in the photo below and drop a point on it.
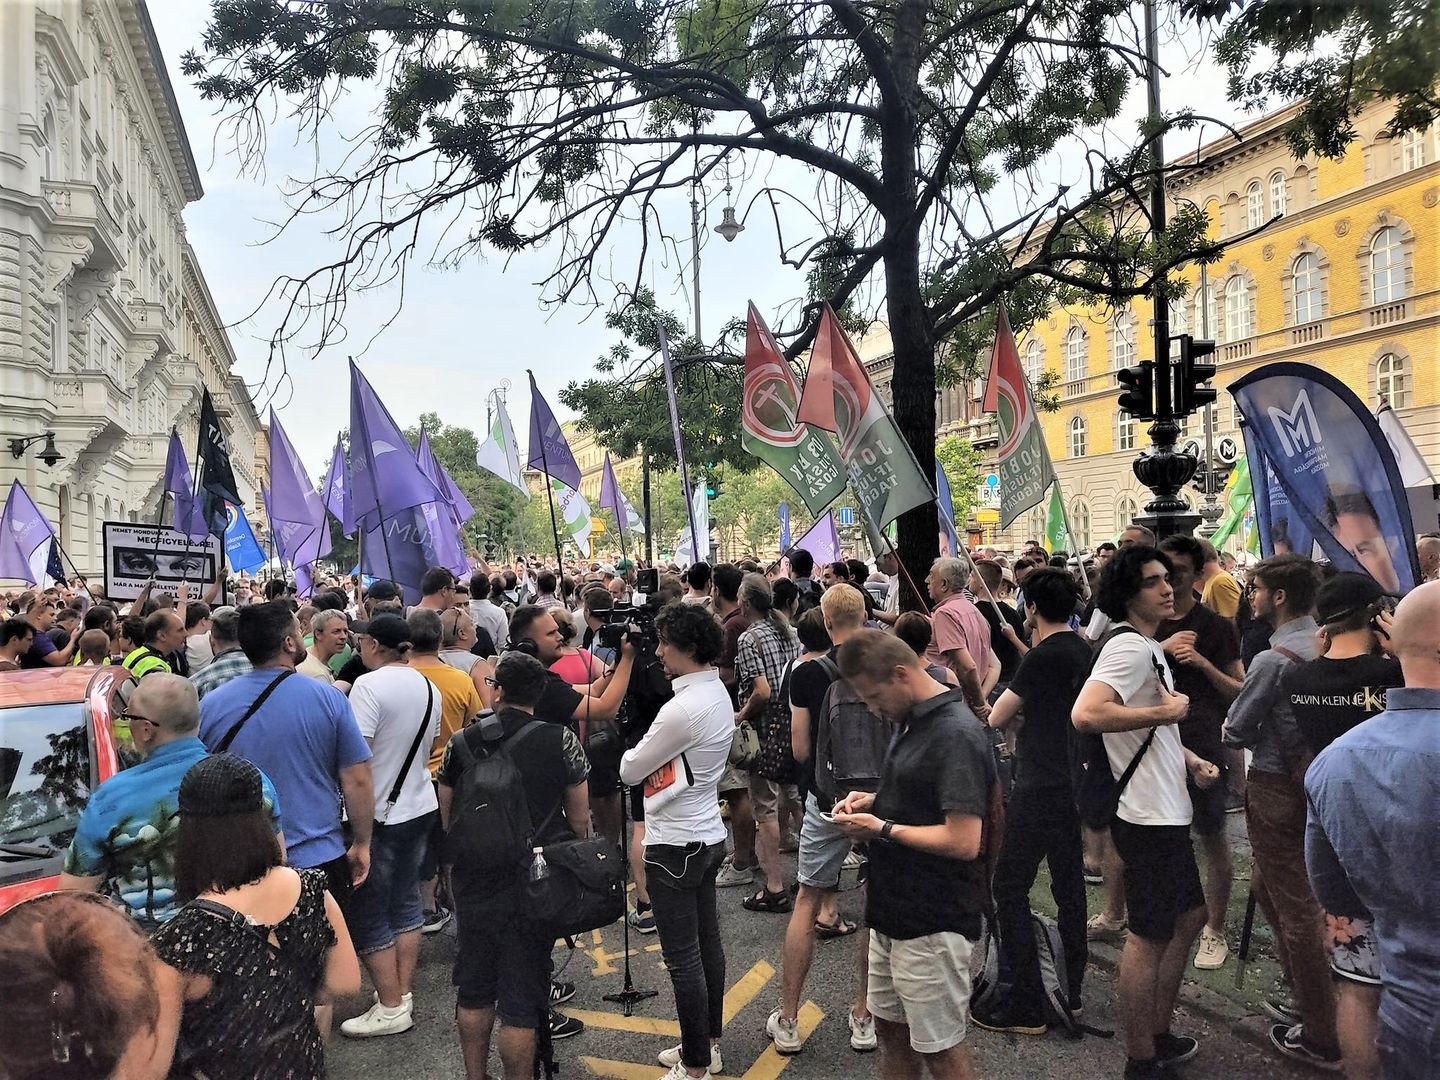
(135, 17)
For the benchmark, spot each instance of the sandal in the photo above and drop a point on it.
(840, 928)
(767, 901)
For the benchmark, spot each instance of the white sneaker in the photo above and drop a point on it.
(729, 876)
(677, 1072)
(378, 1020)
(407, 1002)
(784, 1034)
(671, 1057)
(1213, 951)
(862, 1033)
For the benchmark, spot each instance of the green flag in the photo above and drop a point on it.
(838, 397)
(1056, 534)
(1023, 460)
(801, 455)
(1238, 498)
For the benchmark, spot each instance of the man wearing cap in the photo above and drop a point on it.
(124, 843)
(303, 736)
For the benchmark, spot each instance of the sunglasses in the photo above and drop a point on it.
(134, 718)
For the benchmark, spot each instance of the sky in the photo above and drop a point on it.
(463, 331)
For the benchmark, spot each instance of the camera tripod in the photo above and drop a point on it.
(627, 995)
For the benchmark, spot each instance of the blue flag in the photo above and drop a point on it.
(784, 526)
(946, 507)
(549, 452)
(1333, 463)
(241, 550)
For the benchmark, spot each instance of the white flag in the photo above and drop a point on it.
(1413, 470)
(500, 453)
(633, 521)
(575, 509)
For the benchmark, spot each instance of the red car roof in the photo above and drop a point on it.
(43, 686)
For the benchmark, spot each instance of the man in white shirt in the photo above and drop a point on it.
(485, 609)
(1129, 700)
(398, 712)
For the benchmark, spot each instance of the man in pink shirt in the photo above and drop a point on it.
(960, 638)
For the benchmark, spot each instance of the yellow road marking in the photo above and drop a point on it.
(771, 1063)
(744, 991)
(644, 1025)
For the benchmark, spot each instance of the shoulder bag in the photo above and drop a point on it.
(229, 738)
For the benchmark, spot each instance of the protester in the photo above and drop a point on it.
(1283, 591)
(927, 886)
(534, 631)
(575, 664)
(502, 960)
(1220, 591)
(302, 735)
(124, 843)
(1376, 787)
(961, 634)
(228, 660)
(764, 653)
(1129, 690)
(697, 581)
(1041, 819)
(39, 612)
(461, 650)
(329, 633)
(685, 837)
(197, 636)
(87, 998)
(545, 586)
(1428, 549)
(398, 712)
(17, 635)
(740, 864)
(1007, 626)
(437, 589)
(164, 633)
(914, 629)
(487, 610)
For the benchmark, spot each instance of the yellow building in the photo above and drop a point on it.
(1346, 279)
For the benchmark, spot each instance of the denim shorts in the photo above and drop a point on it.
(388, 902)
(823, 847)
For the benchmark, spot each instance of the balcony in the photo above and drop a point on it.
(1385, 314)
(1304, 335)
(79, 209)
(1237, 350)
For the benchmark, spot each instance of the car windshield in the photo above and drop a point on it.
(44, 779)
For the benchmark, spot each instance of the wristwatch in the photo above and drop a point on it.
(886, 829)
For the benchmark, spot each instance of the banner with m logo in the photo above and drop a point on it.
(1315, 446)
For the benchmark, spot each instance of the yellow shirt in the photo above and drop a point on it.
(1222, 595)
(459, 703)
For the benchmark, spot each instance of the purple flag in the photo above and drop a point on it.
(821, 541)
(946, 507)
(297, 515)
(25, 537)
(610, 493)
(335, 493)
(430, 465)
(385, 478)
(181, 487)
(549, 452)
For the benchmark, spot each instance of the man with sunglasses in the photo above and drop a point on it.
(124, 844)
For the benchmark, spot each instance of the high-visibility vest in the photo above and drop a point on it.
(142, 661)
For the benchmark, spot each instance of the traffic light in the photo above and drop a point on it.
(1190, 395)
(1138, 398)
(714, 487)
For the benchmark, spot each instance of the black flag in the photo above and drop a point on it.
(216, 478)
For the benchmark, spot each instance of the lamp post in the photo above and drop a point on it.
(49, 454)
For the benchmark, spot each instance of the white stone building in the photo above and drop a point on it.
(107, 329)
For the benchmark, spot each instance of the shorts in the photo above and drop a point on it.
(501, 959)
(637, 803)
(823, 847)
(923, 983)
(1353, 953)
(765, 796)
(387, 904)
(733, 779)
(1208, 804)
(1162, 881)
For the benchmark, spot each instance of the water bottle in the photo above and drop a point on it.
(539, 868)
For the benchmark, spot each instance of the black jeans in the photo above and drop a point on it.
(682, 895)
(1039, 824)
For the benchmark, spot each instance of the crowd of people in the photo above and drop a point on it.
(316, 783)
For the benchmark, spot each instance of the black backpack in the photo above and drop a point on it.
(490, 827)
(1097, 791)
(850, 742)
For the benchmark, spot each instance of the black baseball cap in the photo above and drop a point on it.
(1343, 595)
(221, 785)
(388, 630)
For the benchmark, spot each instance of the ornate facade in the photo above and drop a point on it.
(108, 331)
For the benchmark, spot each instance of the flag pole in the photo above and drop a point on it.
(674, 403)
(550, 496)
(1071, 538)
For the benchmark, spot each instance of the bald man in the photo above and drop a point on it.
(1371, 847)
(124, 844)
(1429, 551)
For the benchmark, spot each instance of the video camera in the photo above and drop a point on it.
(626, 622)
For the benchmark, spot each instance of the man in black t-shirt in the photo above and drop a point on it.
(502, 965)
(1041, 820)
(533, 632)
(1204, 655)
(927, 880)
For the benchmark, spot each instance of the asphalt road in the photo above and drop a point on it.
(625, 1047)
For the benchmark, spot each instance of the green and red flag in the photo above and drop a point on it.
(1024, 462)
(801, 455)
(838, 397)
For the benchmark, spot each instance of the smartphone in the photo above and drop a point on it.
(647, 580)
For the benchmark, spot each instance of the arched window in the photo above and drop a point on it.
(1034, 361)
(1126, 511)
(1076, 360)
(1207, 321)
(1077, 437)
(1239, 314)
(1177, 317)
(1307, 289)
(1125, 428)
(1254, 205)
(1278, 195)
(1412, 151)
(1122, 342)
(1391, 383)
(1079, 524)
(1387, 267)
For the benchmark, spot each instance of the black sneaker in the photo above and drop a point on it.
(564, 1027)
(1144, 1070)
(1289, 1039)
(1281, 1010)
(1173, 1049)
(561, 992)
(436, 920)
(1006, 1019)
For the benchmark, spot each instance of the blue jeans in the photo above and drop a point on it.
(387, 904)
(682, 894)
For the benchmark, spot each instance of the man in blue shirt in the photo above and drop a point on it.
(124, 844)
(304, 737)
(1373, 841)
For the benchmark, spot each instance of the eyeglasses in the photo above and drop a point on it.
(133, 718)
(490, 682)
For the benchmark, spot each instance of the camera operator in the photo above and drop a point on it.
(583, 708)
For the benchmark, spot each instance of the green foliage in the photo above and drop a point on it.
(963, 464)
(498, 506)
